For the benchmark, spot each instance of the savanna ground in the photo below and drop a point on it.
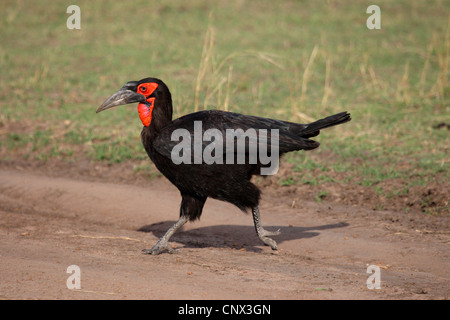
(77, 188)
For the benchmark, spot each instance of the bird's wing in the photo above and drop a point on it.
(220, 133)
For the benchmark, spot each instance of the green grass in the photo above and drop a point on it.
(292, 60)
(319, 196)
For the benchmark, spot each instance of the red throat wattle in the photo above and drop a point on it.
(145, 111)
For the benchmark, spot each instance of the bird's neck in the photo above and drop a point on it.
(161, 115)
(155, 114)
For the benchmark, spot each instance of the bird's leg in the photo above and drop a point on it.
(163, 243)
(262, 233)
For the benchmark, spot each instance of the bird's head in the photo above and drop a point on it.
(147, 92)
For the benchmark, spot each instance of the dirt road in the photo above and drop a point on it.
(49, 223)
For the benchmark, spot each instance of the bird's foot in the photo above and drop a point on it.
(266, 233)
(264, 237)
(159, 247)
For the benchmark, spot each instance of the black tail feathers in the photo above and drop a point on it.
(313, 129)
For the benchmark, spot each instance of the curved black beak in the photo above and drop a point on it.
(123, 96)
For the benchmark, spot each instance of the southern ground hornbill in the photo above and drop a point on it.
(222, 176)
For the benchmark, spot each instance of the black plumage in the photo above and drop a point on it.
(198, 180)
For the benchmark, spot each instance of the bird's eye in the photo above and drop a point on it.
(146, 89)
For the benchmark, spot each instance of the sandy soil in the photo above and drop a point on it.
(50, 222)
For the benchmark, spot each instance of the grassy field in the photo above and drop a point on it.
(292, 60)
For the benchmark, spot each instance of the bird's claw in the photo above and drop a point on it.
(264, 237)
(269, 242)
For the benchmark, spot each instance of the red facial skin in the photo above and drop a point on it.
(145, 110)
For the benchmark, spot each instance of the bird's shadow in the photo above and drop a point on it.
(234, 236)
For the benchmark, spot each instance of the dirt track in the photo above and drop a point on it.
(49, 223)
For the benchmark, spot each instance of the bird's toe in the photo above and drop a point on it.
(266, 233)
(159, 248)
(269, 242)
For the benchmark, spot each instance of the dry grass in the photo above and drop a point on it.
(293, 61)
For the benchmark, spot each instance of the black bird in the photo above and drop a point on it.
(226, 174)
